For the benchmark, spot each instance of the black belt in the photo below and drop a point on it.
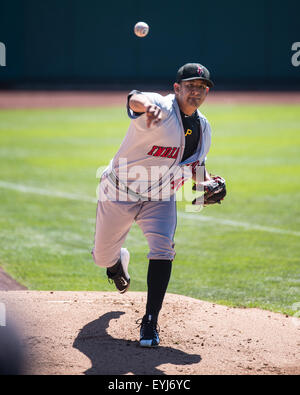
(121, 187)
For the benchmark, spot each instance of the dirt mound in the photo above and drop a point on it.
(7, 283)
(96, 333)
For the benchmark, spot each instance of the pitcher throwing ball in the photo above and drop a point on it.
(167, 142)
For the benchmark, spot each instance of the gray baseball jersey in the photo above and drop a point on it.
(141, 180)
(158, 149)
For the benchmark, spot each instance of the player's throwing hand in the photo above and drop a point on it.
(153, 114)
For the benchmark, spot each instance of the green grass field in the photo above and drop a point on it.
(245, 254)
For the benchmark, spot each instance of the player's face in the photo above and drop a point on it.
(191, 93)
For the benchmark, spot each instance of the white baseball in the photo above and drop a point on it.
(141, 29)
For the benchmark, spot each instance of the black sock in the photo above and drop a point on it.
(114, 269)
(159, 272)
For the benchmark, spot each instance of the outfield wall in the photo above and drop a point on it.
(91, 43)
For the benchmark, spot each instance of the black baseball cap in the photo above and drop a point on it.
(194, 71)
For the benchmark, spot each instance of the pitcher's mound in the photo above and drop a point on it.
(96, 333)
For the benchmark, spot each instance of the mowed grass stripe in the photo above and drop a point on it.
(185, 216)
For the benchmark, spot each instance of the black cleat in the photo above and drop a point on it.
(148, 332)
(121, 278)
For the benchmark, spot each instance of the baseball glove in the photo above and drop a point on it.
(214, 191)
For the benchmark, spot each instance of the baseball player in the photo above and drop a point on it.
(167, 142)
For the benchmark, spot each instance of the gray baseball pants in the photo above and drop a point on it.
(157, 220)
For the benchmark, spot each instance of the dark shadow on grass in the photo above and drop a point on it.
(112, 356)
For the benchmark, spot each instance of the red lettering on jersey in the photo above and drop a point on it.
(159, 151)
(167, 152)
(172, 152)
(175, 154)
(164, 152)
(152, 150)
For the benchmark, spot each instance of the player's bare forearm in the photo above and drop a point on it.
(207, 177)
(140, 103)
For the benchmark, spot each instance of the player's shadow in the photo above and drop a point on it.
(113, 356)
